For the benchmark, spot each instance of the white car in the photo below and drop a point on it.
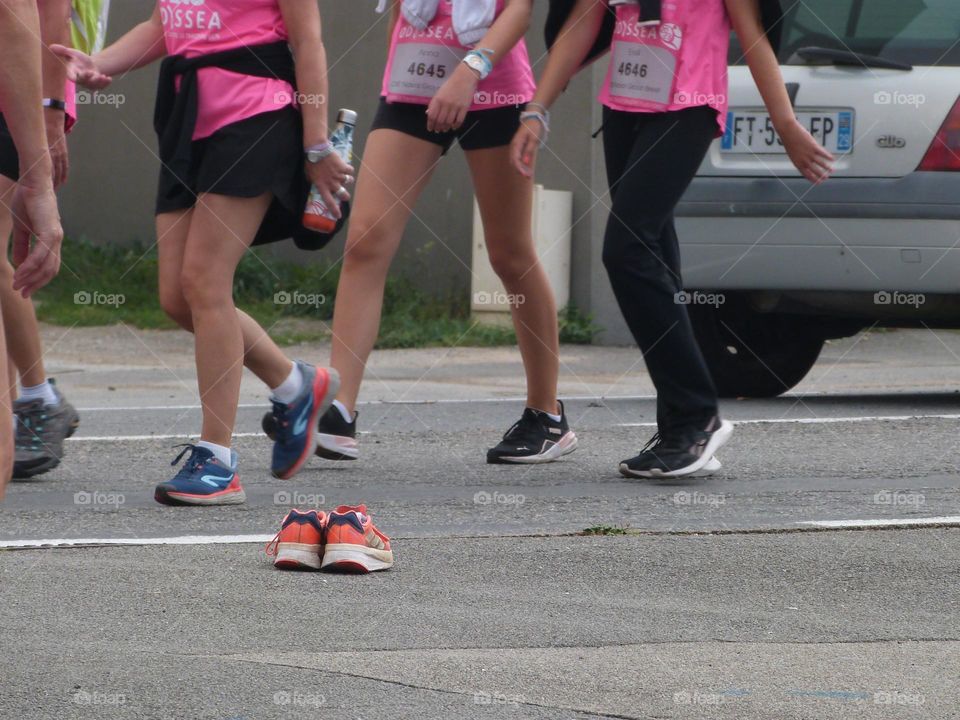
(774, 265)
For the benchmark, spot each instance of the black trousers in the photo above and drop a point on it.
(651, 159)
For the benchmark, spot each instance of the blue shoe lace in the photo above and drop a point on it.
(282, 433)
(198, 458)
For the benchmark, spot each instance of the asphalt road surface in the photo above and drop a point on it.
(816, 576)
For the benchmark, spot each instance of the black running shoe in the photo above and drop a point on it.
(40, 433)
(336, 438)
(690, 453)
(535, 438)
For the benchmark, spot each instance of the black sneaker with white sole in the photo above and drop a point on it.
(535, 438)
(685, 454)
(336, 438)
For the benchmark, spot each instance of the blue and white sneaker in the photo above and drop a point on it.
(295, 437)
(203, 480)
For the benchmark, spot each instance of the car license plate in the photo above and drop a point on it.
(750, 132)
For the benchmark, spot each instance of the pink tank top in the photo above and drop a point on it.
(70, 100)
(420, 61)
(678, 64)
(201, 27)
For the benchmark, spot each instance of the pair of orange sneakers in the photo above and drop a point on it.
(345, 540)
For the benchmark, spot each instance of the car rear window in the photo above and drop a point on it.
(918, 32)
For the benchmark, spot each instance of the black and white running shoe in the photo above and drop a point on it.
(535, 438)
(690, 453)
(336, 438)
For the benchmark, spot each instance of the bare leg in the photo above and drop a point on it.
(221, 230)
(395, 169)
(6, 421)
(19, 317)
(261, 354)
(505, 199)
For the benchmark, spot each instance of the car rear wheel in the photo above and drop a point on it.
(753, 354)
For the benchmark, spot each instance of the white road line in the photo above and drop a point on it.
(759, 421)
(147, 408)
(180, 540)
(822, 421)
(176, 436)
(879, 523)
(442, 401)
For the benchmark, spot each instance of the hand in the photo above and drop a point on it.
(330, 176)
(81, 68)
(35, 213)
(526, 145)
(57, 139)
(449, 107)
(812, 159)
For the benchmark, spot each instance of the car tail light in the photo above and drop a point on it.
(944, 153)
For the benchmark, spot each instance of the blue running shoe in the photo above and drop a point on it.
(203, 480)
(295, 438)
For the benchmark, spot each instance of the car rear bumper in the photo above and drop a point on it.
(846, 235)
(918, 196)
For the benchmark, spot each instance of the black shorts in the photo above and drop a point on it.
(481, 130)
(261, 154)
(9, 158)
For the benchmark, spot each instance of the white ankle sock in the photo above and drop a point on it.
(43, 391)
(347, 417)
(555, 418)
(221, 453)
(287, 391)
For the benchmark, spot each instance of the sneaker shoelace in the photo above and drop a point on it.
(193, 463)
(280, 411)
(678, 443)
(526, 426)
(31, 422)
(660, 443)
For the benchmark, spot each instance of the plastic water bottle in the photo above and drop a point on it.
(317, 215)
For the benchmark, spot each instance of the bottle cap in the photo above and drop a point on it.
(347, 117)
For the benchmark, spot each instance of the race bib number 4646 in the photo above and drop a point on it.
(643, 72)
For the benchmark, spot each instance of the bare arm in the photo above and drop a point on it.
(141, 46)
(449, 107)
(810, 158)
(566, 57)
(302, 20)
(55, 29)
(303, 23)
(34, 206)
(21, 89)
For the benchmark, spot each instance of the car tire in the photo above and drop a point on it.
(753, 354)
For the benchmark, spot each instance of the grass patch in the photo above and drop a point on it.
(105, 285)
(606, 530)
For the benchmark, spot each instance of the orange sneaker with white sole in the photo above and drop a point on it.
(299, 544)
(353, 542)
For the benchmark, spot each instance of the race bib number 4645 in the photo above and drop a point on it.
(421, 69)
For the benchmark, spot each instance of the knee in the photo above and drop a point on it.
(200, 290)
(369, 245)
(613, 253)
(627, 249)
(175, 305)
(510, 265)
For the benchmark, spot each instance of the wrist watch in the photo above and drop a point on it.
(53, 104)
